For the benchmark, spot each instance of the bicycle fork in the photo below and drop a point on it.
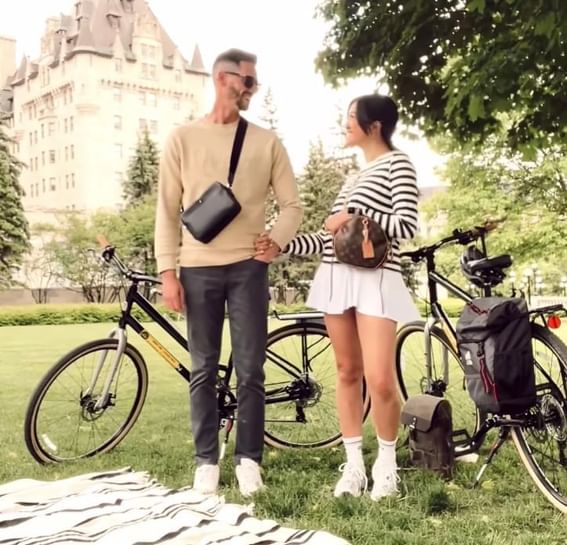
(105, 392)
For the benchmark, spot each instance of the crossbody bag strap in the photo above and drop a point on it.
(237, 148)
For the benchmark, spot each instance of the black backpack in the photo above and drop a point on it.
(495, 345)
(430, 423)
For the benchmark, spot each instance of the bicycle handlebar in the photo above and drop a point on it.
(109, 255)
(459, 236)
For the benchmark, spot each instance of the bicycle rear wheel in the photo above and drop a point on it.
(301, 388)
(63, 421)
(413, 377)
(542, 444)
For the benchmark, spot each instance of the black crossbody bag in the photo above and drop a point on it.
(217, 206)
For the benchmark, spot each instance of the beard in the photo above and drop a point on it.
(242, 99)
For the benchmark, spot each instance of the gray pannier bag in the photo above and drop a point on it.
(495, 345)
(430, 424)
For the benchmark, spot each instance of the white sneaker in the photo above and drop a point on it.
(248, 476)
(206, 479)
(386, 481)
(353, 481)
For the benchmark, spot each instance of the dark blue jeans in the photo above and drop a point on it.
(243, 288)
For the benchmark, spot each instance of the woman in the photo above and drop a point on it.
(365, 304)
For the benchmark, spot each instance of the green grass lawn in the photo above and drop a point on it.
(507, 509)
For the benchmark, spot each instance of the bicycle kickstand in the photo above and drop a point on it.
(502, 436)
(227, 424)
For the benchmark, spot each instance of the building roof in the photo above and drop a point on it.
(96, 26)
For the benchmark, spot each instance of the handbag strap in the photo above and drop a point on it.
(237, 148)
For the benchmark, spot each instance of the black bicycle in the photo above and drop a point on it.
(427, 361)
(90, 399)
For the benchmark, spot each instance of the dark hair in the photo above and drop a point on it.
(236, 56)
(372, 108)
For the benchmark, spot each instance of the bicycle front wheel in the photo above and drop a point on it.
(67, 417)
(542, 442)
(301, 388)
(446, 377)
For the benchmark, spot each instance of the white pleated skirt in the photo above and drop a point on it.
(378, 292)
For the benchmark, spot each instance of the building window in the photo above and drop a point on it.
(143, 124)
(51, 128)
(148, 70)
(42, 131)
(118, 151)
(72, 180)
(43, 158)
(118, 122)
(66, 125)
(52, 184)
(31, 190)
(72, 148)
(71, 124)
(66, 153)
(66, 181)
(43, 185)
(118, 65)
(119, 179)
(52, 156)
(176, 103)
(178, 76)
(31, 138)
(153, 99)
(154, 126)
(144, 50)
(117, 94)
(143, 98)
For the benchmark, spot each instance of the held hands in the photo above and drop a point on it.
(265, 248)
(333, 222)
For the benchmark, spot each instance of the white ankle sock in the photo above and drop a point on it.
(353, 449)
(387, 452)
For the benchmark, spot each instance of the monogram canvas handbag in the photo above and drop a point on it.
(361, 242)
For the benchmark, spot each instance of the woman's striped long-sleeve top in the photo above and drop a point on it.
(385, 190)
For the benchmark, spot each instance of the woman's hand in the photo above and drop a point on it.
(334, 221)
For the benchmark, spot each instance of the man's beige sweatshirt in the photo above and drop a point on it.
(197, 155)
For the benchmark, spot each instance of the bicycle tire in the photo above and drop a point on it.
(48, 426)
(320, 428)
(552, 408)
(412, 379)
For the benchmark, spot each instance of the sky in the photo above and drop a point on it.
(283, 34)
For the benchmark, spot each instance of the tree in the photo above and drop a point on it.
(74, 249)
(269, 114)
(319, 185)
(490, 185)
(468, 68)
(14, 230)
(143, 171)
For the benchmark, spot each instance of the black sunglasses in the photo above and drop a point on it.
(248, 81)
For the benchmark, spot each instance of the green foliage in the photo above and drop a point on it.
(464, 68)
(65, 314)
(73, 247)
(498, 183)
(14, 233)
(143, 171)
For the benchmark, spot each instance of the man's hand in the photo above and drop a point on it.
(334, 222)
(265, 249)
(172, 291)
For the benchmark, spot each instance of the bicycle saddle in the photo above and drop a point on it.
(481, 270)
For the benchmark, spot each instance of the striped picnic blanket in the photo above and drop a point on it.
(124, 507)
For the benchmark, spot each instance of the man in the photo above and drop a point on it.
(226, 270)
